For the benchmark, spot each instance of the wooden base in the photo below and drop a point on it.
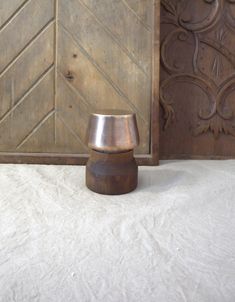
(111, 173)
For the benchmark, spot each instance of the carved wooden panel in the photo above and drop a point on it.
(197, 78)
(61, 60)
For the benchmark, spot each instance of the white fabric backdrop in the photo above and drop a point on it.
(172, 240)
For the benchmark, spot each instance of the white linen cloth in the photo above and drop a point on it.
(171, 240)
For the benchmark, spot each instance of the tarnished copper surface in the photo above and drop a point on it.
(113, 131)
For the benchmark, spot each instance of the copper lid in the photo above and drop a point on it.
(113, 131)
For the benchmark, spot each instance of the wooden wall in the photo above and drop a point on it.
(61, 60)
(197, 79)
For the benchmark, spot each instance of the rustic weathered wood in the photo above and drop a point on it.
(62, 59)
(111, 173)
(197, 79)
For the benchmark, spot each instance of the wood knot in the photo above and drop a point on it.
(69, 76)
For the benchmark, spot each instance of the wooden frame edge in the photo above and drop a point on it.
(152, 159)
(155, 125)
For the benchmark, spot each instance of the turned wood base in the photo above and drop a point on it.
(111, 173)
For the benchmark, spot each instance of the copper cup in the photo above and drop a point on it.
(112, 137)
(113, 131)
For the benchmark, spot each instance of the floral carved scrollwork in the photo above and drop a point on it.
(209, 32)
(207, 22)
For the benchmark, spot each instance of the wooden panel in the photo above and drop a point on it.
(8, 11)
(62, 59)
(197, 79)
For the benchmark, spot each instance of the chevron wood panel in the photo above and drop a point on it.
(61, 60)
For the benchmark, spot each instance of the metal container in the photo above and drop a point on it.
(113, 131)
(112, 137)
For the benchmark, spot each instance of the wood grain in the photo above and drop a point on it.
(60, 60)
(111, 173)
(197, 79)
